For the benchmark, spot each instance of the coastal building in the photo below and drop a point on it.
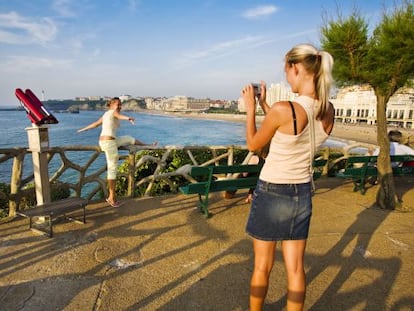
(125, 97)
(400, 108)
(184, 103)
(358, 105)
(355, 104)
(88, 98)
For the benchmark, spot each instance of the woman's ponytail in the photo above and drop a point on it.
(320, 64)
(323, 82)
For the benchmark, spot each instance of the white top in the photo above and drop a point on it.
(288, 161)
(110, 124)
(397, 149)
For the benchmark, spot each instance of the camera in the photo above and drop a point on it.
(257, 89)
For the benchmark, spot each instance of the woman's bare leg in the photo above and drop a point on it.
(111, 189)
(264, 253)
(293, 255)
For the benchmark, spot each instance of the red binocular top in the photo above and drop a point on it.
(36, 112)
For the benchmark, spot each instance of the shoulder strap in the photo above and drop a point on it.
(294, 117)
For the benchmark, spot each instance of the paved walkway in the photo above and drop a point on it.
(161, 254)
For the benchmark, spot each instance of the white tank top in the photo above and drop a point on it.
(288, 161)
(110, 124)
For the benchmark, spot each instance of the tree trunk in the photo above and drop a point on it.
(386, 195)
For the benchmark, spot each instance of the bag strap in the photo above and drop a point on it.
(311, 123)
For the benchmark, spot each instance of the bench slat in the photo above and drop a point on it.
(231, 169)
(233, 184)
(195, 188)
(49, 210)
(54, 208)
(200, 171)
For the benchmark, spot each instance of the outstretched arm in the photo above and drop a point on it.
(91, 126)
(124, 117)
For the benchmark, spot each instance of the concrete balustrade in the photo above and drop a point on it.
(91, 169)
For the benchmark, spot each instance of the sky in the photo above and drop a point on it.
(157, 48)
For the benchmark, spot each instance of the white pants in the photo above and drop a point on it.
(110, 147)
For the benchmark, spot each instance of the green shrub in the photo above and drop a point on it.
(4, 199)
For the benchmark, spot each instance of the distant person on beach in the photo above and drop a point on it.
(109, 142)
(282, 200)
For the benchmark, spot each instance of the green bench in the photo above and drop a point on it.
(52, 210)
(210, 183)
(362, 168)
(208, 180)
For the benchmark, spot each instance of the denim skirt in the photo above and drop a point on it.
(280, 211)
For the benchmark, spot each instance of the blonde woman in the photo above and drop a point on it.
(281, 206)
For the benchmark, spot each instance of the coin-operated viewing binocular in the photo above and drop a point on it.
(36, 112)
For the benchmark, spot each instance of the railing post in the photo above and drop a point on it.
(15, 182)
(326, 154)
(230, 159)
(131, 172)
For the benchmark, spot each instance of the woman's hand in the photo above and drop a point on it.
(248, 95)
(262, 98)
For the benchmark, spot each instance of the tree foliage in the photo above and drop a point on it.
(347, 41)
(384, 60)
(390, 61)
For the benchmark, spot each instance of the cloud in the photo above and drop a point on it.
(62, 7)
(231, 47)
(16, 29)
(260, 11)
(78, 42)
(19, 64)
(221, 49)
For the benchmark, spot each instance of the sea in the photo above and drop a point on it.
(167, 130)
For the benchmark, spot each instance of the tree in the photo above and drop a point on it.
(384, 60)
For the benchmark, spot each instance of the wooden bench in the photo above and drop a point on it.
(52, 210)
(362, 168)
(209, 182)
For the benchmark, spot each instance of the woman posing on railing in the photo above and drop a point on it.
(282, 205)
(109, 142)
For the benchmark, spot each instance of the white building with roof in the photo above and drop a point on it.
(184, 103)
(358, 104)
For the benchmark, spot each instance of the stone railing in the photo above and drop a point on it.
(83, 168)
